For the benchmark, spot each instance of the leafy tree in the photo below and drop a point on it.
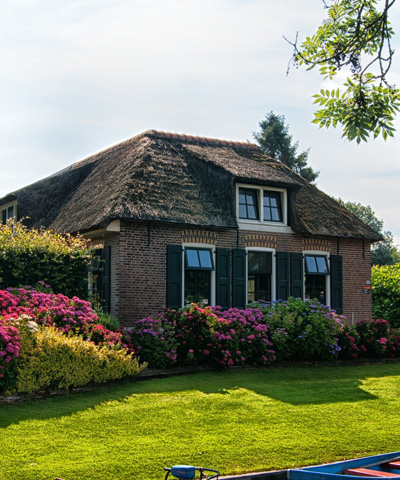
(356, 38)
(385, 252)
(365, 213)
(275, 140)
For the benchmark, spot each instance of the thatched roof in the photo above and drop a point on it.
(175, 178)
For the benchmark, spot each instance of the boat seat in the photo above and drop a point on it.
(367, 472)
(395, 464)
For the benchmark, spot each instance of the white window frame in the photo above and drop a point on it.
(204, 246)
(327, 255)
(262, 224)
(273, 273)
(5, 207)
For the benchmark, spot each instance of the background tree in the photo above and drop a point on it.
(384, 252)
(275, 140)
(356, 38)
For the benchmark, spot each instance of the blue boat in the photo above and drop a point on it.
(377, 466)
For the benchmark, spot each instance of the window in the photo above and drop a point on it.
(316, 265)
(199, 266)
(272, 207)
(259, 276)
(316, 277)
(262, 205)
(7, 212)
(248, 204)
(198, 258)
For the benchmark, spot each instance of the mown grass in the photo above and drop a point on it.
(234, 421)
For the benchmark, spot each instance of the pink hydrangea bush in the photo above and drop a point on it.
(69, 315)
(241, 337)
(371, 339)
(9, 351)
(9, 344)
(116, 340)
(204, 336)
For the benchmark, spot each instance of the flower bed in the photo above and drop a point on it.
(292, 330)
(27, 312)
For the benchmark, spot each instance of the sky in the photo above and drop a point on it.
(79, 76)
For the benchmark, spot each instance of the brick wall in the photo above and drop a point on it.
(138, 263)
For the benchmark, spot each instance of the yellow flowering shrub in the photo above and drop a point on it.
(50, 360)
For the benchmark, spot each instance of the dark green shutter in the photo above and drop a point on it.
(297, 275)
(223, 274)
(282, 275)
(239, 278)
(174, 276)
(336, 283)
(106, 277)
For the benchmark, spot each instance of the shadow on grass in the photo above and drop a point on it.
(289, 385)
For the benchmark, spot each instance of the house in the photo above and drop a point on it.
(179, 219)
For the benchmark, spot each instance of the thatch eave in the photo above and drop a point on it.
(10, 197)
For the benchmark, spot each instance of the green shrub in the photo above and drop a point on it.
(107, 321)
(303, 330)
(385, 282)
(28, 256)
(50, 360)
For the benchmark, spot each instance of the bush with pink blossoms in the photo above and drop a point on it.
(193, 333)
(9, 350)
(69, 315)
(371, 339)
(154, 339)
(204, 336)
(241, 337)
(349, 341)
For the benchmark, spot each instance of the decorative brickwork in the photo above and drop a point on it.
(259, 240)
(199, 236)
(316, 244)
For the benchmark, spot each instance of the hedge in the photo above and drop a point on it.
(28, 256)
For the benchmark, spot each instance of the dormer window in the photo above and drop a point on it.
(261, 205)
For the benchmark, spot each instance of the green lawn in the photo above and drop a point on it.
(234, 421)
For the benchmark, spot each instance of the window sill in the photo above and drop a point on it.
(264, 226)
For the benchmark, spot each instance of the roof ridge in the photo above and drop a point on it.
(200, 140)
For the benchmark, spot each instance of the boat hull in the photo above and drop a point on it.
(352, 469)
